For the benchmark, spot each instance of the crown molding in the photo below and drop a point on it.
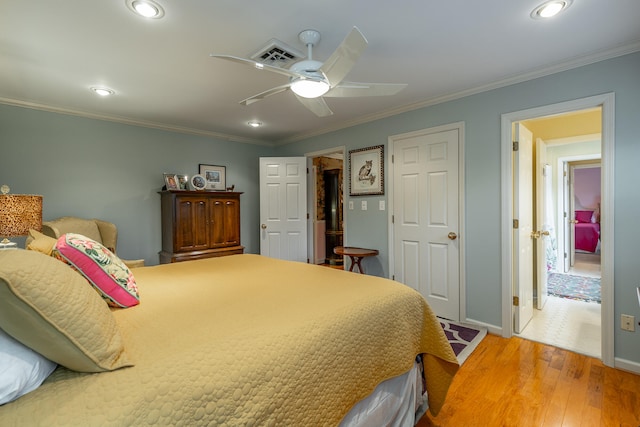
(569, 64)
(133, 122)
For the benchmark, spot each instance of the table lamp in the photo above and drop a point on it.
(18, 214)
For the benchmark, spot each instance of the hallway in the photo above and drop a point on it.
(570, 324)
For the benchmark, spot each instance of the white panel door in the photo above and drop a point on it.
(522, 239)
(543, 224)
(425, 227)
(283, 213)
(572, 216)
(567, 218)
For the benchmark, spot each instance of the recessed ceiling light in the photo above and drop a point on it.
(550, 9)
(145, 8)
(103, 91)
(255, 124)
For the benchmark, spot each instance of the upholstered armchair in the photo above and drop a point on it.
(103, 232)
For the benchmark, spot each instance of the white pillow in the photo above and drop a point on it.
(21, 369)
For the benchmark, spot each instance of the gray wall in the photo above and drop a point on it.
(481, 114)
(101, 169)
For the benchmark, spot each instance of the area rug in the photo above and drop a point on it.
(463, 339)
(574, 287)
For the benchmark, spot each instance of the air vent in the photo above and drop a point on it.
(277, 54)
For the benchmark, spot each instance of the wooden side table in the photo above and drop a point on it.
(356, 255)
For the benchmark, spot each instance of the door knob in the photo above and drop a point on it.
(263, 226)
(538, 234)
(452, 236)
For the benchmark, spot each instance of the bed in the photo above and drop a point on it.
(587, 231)
(236, 340)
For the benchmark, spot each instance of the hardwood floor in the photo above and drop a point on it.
(336, 266)
(515, 382)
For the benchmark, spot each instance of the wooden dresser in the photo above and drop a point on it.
(199, 224)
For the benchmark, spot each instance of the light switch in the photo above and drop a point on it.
(381, 205)
(350, 205)
(364, 205)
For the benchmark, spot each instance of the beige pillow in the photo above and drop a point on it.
(40, 243)
(49, 307)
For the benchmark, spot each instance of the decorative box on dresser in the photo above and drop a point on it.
(199, 224)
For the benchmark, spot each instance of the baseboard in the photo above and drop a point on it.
(492, 329)
(627, 365)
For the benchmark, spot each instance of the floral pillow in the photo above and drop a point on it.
(102, 268)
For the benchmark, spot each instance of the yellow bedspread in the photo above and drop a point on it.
(249, 340)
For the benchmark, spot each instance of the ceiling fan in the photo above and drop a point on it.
(311, 80)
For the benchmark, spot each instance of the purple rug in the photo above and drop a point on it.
(463, 339)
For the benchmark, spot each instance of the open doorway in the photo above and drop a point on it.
(582, 193)
(511, 308)
(568, 315)
(326, 205)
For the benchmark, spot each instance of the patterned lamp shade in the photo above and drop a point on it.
(19, 213)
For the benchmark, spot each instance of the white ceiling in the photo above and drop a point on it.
(52, 52)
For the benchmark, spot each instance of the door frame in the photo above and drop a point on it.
(572, 166)
(311, 198)
(460, 127)
(607, 103)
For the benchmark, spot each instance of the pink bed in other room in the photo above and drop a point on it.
(587, 230)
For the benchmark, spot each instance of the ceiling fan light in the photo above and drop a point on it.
(309, 88)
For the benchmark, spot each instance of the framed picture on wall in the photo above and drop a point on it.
(215, 177)
(366, 171)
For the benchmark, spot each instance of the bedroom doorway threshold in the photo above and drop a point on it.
(570, 323)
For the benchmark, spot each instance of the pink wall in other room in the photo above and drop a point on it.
(586, 187)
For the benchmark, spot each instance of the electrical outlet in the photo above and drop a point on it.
(627, 323)
(364, 205)
(350, 205)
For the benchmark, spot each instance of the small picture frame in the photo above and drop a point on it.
(171, 181)
(366, 171)
(183, 182)
(215, 177)
(197, 182)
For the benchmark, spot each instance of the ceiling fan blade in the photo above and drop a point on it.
(353, 89)
(257, 65)
(266, 93)
(317, 105)
(344, 57)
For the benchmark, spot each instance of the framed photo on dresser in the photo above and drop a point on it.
(215, 177)
(183, 182)
(171, 181)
